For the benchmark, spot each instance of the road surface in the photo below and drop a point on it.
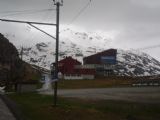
(5, 113)
(136, 94)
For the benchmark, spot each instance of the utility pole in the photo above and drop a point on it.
(22, 71)
(58, 3)
(21, 53)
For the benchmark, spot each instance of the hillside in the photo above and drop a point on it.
(10, 64)
(12, 68)
(81, 44)
(134, 63)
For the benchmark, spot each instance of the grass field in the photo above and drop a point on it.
(39, 107)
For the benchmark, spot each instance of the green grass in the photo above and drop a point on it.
(39, 107)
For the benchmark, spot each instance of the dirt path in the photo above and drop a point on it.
(137, 94)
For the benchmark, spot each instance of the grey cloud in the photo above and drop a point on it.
(136, 21)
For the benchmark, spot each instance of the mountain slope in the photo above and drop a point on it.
(81, 44)
(10, 63)
(134, 63)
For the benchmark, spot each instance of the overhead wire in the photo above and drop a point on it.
(149, 47)
(26, 12)
(12, 13)
(29, 10)
(44, 18)
(86, 6)
(80, 12)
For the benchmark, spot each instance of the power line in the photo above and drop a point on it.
(44, 18)
(27, 12)
(19, 11)
(80, 12)
(149, 47)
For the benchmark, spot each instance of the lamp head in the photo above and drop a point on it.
(60, 2)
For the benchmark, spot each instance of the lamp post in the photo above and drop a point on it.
(58, 3)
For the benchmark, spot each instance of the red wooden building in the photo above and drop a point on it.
(73, 69)
(67, 65)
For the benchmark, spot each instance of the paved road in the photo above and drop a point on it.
(5, 113)
(137, 94)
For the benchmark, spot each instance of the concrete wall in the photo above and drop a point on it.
(73, 77)
(90, 77)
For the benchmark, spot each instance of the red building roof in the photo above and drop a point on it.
(70, 60)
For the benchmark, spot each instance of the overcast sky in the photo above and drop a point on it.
(130, 23)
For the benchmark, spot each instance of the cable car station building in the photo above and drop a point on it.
(104, 62)
(100, 64)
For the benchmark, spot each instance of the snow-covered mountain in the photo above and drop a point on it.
(135, 63)
(75, 44)
(81, 44)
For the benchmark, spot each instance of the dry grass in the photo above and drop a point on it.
(97, 83)
(38, 107)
